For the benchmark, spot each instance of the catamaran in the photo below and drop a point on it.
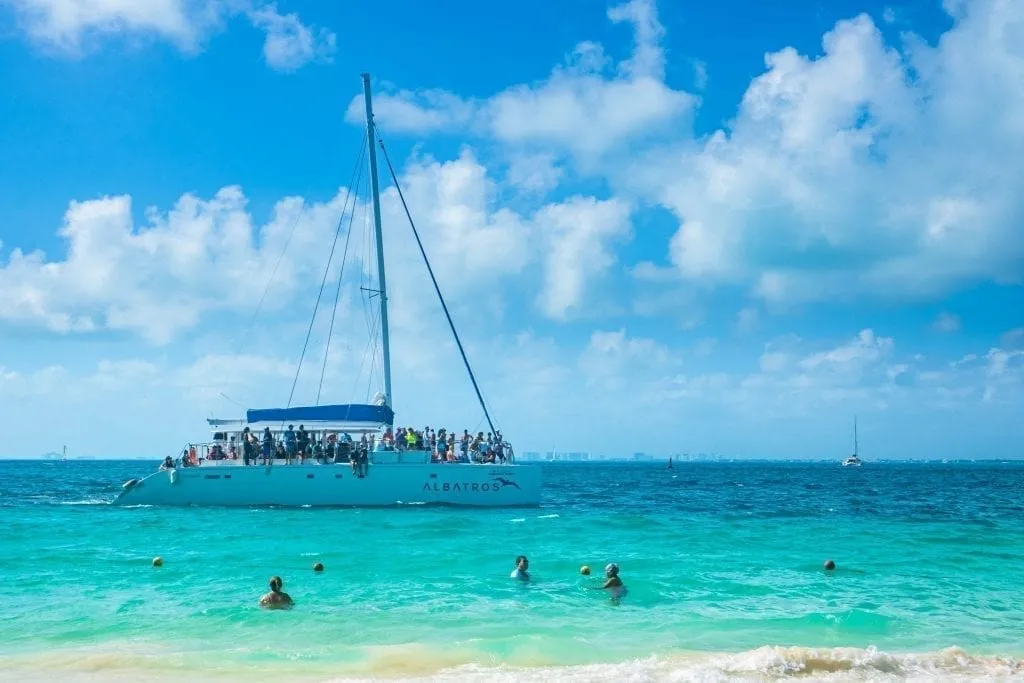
(853, 460)
(385, 474)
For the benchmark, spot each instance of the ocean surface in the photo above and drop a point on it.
(723, 564)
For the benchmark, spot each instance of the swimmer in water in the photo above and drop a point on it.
(611, 574)
(276, 598)
(521, 571)
(612, 583)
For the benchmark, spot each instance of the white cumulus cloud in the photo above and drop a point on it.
(874, 170)
(290, 44)
(64, 23)
(870, 170)
(178, 268)
(68, 25)
(586, 106)
(161, 277)
(579, 237)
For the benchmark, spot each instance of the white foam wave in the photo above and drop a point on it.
(547, 516)
(762, 664)
(412, 662)
(87, 501)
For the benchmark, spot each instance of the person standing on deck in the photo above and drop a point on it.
(303, 439)
(268, 446)
(290, 443)
(247, 449)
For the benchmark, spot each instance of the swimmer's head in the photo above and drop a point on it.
(830, 565)
(275, 583)
(522, 563)
(318, 567)
(585, 570)
(611, 570)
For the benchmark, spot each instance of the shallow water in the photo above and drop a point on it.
(722, 561)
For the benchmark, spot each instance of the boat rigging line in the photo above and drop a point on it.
(451, 324)
(371, 314)
(341, 273)
(327, 269)
(266, 290)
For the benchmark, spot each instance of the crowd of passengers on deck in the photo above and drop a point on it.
(331, 447)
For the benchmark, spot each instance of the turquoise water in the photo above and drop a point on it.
(722, 562)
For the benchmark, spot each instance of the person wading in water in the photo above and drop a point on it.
(276, 598)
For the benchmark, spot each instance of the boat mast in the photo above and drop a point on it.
(855, 436)
(375, 192)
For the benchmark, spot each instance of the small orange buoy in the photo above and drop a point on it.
(317, 567)
(157, 562)
(585, 570)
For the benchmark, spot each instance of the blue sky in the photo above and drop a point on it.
(662, 227)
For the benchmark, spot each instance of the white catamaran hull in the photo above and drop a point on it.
(335, 485)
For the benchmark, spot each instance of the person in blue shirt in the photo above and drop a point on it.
(290, 443)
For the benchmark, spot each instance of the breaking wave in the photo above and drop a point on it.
(414, 662)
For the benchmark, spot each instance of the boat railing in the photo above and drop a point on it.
(221, 454)
(395, 456)
(213, 453)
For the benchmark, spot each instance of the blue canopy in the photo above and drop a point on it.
(355, 412)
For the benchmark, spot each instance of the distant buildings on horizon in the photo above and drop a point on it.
(587, 456)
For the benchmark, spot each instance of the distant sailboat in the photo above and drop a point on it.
(853, 460)
(670, 462)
